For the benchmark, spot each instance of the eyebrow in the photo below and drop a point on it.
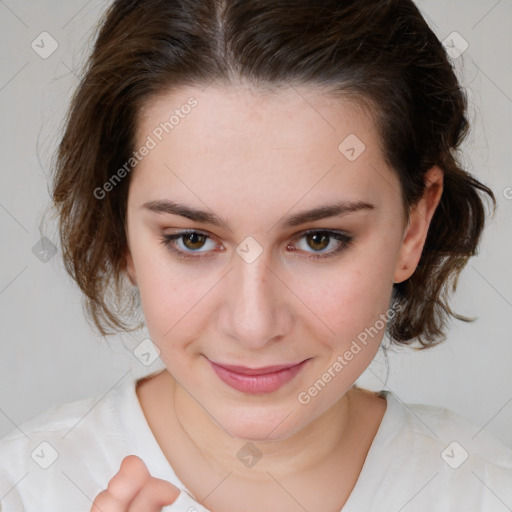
(322, 212)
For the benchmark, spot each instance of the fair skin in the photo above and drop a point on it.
(255, 160)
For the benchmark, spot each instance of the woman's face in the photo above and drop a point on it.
(262, 282)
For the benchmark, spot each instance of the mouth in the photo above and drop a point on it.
(257, 380)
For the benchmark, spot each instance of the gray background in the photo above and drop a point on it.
(49, 353)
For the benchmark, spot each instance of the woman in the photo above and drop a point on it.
(277, 183)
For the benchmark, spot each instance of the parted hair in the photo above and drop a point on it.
(380, 53)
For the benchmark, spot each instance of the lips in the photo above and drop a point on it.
(265, 379)
(243, 370)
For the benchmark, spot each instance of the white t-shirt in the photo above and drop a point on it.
(422, 459)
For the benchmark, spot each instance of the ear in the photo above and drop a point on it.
(130, 268)
(416, 230)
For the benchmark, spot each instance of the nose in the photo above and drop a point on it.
(255, 312)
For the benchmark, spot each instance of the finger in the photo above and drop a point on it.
(129, 480)
(123, 487)
(154, 495)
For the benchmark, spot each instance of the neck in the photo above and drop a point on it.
(326, 438)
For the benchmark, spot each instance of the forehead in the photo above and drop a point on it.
(258, 115)
(244, 141)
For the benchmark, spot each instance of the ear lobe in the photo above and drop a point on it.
(415, 234)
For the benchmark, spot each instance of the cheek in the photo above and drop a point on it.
(348, 297)
(172, 304)
(354, 303)
(170, 293)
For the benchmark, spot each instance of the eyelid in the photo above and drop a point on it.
(342, 237)
(167, 240)
(329, 231)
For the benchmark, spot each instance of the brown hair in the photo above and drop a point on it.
(379, 52)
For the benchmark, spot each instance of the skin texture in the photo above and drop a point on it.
(254, 159)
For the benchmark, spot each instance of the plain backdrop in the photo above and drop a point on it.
(50, 355)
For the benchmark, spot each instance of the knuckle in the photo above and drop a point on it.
(101, 502)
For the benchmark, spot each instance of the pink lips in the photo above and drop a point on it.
(257, 380)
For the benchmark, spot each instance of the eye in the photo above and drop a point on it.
(188, 242)
(319, 240)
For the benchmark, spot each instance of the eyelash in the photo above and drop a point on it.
(344, 239)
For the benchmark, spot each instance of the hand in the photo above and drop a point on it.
(133, 489)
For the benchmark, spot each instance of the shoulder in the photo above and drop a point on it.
(54, 423)
(63, 420)
(459, 438)
(43, 458)
(455, 463)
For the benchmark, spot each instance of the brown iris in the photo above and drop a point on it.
(194, 241)
(320, 240)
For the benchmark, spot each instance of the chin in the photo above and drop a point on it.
(259, 425)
